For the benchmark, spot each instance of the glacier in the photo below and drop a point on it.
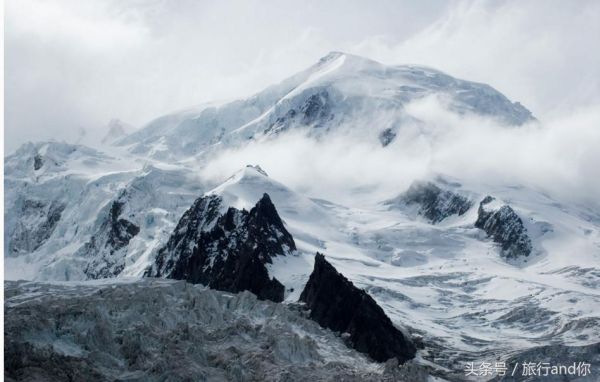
(420, 252)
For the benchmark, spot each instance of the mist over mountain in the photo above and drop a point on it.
(443, 208)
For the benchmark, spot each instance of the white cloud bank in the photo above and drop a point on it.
(77, 64)
(559, 158)
(73, 65)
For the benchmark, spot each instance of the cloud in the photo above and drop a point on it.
(71, 64)
(558, 158)
(536, 52)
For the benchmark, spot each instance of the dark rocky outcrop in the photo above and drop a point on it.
(505, 227)
(315, 111)
(37, 222)
(335, 303)
(38, 162)
(108, 245)
(226, 251)
(435, 203)
(316, 108)
(387, 136)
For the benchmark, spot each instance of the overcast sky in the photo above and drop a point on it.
(74, 64)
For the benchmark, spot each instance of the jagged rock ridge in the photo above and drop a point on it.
(107, 246)
(335, 303)
(38, 162)
(505, 227)
(226, 251)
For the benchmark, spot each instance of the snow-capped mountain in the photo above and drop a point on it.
(100, 195)
(340, 90)
(469, 270)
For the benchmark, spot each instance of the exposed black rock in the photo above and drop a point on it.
(108, 245)
(435, 203)
(387, 136)
(505, 227)
(316, 107)
(314, 111)
(38, 162)
(38, 221)
(335, 303)
(226, 252)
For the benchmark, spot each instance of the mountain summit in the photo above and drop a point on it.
(461, 272)
(339, 90)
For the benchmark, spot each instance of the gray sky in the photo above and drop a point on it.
(73, 64)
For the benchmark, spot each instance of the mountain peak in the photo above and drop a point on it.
(256, 168)
(335, 303)
(339, 88)
(231, 252)
(348, 57)
(331, 56)
(341, 64)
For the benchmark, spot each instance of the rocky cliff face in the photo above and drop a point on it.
(107, 247)
(38, 162)
(505, 227)
(434, 203)
(315, 110)
(36, 224)
(226, 251)
(335, 303)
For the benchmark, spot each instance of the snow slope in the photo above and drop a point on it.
(441, 278)
(341, 89)
(447, 282)
(86, 182)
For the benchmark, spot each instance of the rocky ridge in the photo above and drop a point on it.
(505, 227)
(226, 251)
(335, 303)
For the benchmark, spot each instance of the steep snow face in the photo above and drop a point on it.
(58, 222)
(106, 248)
(37, 221)
(340, 90)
